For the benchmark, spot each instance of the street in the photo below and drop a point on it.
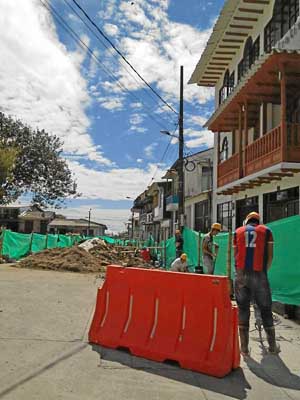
(44, 321)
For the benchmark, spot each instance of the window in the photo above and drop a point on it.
(247, 55)
(224, 150)
(285, 14)
(281, 204)
(231, 83)
(202, 217)
(251, 54)
(255, 50)
(224, 215)
(224, 89)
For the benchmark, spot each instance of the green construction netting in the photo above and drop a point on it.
(15, 245)
(38, 242)
(64, 241)
(52, 241)
(284, 274)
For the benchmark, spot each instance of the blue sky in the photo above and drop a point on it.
(109, 121)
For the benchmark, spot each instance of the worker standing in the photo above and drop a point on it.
(209, 249)
(178, 243)
(180, 264)
(253, 248)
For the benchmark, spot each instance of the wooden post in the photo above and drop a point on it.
(31, 240)
(283, 113)
(246, 136)
(46, 244)
(240, 141)
(199, 266)
(228, 264)
(219, 146)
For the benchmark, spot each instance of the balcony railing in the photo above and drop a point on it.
(228, 171)
(261, 154)
(264, 152)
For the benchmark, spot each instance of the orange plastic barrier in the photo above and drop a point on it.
(163, 315)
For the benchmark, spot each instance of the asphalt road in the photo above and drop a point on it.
(44, 354)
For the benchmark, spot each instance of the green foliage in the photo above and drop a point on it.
(36, 167)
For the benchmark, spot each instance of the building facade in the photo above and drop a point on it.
(252, 60)
(78, 226)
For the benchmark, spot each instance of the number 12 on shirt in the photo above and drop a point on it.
(250, 238)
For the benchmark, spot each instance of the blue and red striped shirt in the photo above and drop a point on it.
(251, 247)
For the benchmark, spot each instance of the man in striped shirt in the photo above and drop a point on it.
(253, 244)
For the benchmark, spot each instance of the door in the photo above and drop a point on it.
(244, 207)
(28, 226)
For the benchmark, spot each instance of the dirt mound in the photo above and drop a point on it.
(69, 259)
(78, 259)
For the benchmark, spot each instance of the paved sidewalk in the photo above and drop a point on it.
(44, 354)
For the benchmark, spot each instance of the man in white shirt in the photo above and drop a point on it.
(180, 264)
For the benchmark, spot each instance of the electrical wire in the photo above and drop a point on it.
(150, 94)
(83, 45)
(163, 156)
(122, 56)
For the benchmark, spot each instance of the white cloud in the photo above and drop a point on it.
(136, 119)
(148, 150)
(139, 160)
(40, 80)
(202, 138)
(157, 46)
(115, 184)
(111, 103)
(111, 29)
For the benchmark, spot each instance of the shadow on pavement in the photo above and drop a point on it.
(274, 371)
(233, 385)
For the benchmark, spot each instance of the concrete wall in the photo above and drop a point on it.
(285, 183)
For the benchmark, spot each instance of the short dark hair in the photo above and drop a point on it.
(253, 221)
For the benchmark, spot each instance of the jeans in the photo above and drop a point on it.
(253, 286)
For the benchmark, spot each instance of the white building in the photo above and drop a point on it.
(252, 59)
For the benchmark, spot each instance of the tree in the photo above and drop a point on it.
(31, 162)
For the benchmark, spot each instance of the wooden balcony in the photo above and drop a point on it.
(264, 152)
(261, 154)
(228, 171)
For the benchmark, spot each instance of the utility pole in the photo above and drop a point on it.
(180, 158)
(89, 224)
(132, 224)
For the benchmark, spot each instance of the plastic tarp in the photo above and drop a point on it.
(15, 245)
(38, 242)
(64, 241)
(52, 241)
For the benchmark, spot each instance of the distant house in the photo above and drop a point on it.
(25, 218)
(80, 226)
(35, 220)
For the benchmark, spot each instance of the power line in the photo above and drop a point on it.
(163, 156)
(122, 56)
(83, 45)
(150, 94)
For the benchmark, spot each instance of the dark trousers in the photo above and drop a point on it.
(178, 252)
(253, 286)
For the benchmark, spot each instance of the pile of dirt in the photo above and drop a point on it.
(79, 259)
(72, 259)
